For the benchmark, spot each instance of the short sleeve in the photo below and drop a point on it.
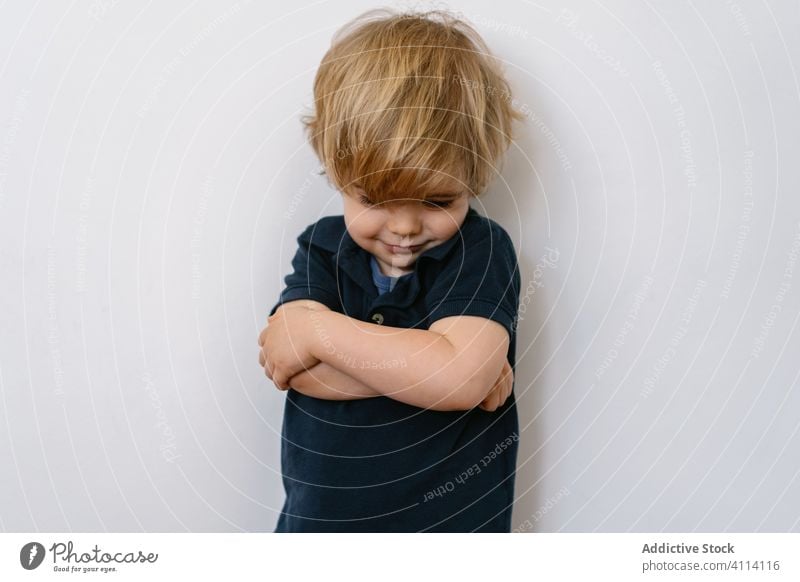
(312, 277)
(480, 279)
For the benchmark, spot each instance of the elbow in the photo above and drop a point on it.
(463, 385)
(473, 395)
(461, 396)
(468, 391)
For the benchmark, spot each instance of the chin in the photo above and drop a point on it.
(402, 262)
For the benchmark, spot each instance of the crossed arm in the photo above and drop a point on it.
(459, 363)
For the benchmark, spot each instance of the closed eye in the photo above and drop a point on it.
(429, 203)
(439, 203)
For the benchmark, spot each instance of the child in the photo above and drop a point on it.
(395, 334)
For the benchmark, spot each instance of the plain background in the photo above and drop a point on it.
(154, 177)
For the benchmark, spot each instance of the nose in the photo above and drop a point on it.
(404, 220)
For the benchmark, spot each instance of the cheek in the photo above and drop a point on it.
(365, 224)
(446, 224)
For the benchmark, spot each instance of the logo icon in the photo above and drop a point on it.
(31, 555)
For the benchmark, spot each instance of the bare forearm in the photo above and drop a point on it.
(409, 365)
(326, 382)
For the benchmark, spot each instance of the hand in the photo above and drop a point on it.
(501, 389)
(284, 343)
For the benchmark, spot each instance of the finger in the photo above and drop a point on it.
(501, 399)
(506, 393)
(486, 401)
(507, 383)
(262, 360)
(262, 336)
(491, 401)
(503, 373)
(503, 392)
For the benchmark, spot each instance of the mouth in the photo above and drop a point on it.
(400, 250)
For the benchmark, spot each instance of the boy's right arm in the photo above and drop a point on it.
(313, 284)
(323, 380)
(326, 382)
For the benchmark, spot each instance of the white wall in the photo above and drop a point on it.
(153, 177)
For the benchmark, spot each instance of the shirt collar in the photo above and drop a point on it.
(354, 260)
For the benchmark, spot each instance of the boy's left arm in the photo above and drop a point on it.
(451, 366)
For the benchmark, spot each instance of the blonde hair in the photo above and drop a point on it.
(409, 104)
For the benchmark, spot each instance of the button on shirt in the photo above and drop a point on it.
(379, 465)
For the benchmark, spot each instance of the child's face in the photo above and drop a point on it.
(397, 232)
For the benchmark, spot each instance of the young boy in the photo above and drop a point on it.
(395, 334)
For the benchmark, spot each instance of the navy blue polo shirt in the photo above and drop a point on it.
(379, 465)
